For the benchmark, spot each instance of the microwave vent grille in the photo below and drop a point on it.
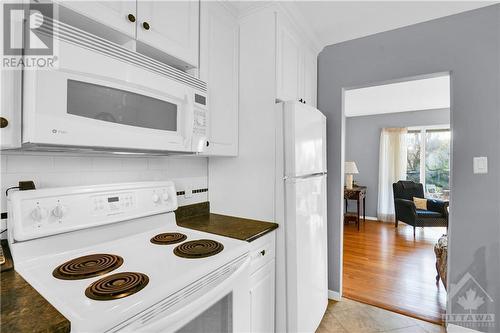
(81, 38)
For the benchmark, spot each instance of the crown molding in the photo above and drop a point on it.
(294, 14)
(288, 8)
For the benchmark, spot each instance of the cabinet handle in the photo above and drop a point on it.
(145, 25)
(208, 143)
(3, 122)
(263, 252)
(131, 17)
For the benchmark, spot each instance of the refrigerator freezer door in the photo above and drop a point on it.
(306, 252)
(304, 140)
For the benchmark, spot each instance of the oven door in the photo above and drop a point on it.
(223, 308)
(92, 100)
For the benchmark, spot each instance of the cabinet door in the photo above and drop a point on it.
(219, 67)
(262, 299)
(288, 62)
(171, 27)
(114, 14)
(10, 97)
(309, 78)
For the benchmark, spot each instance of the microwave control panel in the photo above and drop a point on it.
(200, 115)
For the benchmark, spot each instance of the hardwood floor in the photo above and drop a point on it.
(386, 267)
(348, 316)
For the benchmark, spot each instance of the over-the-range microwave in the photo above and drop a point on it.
(103, 97)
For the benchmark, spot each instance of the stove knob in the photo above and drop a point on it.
(156, 198)
(39, 213)
(164, 197)
(59, 211)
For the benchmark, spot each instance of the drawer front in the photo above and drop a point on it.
(262, 251)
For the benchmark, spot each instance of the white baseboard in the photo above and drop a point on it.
(374, 218)
(451, 328)
(334, 295)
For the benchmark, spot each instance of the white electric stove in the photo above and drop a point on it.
(128, 279)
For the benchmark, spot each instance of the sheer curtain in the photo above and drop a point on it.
(392, 168)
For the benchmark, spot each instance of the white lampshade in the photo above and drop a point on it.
(350, 168)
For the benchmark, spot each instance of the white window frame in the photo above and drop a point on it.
(423, 130)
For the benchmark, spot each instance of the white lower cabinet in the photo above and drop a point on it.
(262, 285)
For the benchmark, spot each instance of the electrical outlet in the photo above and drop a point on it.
(188, 192)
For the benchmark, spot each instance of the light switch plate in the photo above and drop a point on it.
(480, 165)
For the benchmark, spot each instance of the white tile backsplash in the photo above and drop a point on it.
(72, 163)
(29, 163)
(55, 170)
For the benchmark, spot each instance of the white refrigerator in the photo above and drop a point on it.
(301, 255)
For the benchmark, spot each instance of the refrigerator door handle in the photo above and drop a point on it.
(311, 175)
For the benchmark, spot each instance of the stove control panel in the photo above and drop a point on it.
(46, 212)
(113, 203)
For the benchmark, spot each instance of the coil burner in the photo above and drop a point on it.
(117, 286)
(168, 238)
(87, 266)
(201, 248)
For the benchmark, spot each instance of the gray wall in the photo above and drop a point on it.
(467, 45)
(362, 142)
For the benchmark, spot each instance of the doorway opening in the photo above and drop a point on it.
(397, 163)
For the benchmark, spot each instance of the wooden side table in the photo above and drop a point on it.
(357, 193)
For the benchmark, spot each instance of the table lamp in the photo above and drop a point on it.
(350, 169)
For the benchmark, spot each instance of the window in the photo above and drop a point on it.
(428, 160)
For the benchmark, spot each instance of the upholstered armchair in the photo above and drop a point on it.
(436, 214)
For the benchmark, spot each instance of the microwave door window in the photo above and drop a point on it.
(119, 106)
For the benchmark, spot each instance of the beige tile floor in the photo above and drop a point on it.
(348, 316)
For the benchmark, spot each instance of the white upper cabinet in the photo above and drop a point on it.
(309, 78)
(288, 64)
(219, 68)
(171, 27)
(119, 15)
(166, 30)
(295, 65)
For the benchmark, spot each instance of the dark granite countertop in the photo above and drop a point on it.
(24, 309)
(198, 217)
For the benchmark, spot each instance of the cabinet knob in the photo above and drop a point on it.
(3, 122)
(145, 25)
(263, 252)
(131, 17)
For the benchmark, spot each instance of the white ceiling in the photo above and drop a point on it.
(423, 94)
(338, 21)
